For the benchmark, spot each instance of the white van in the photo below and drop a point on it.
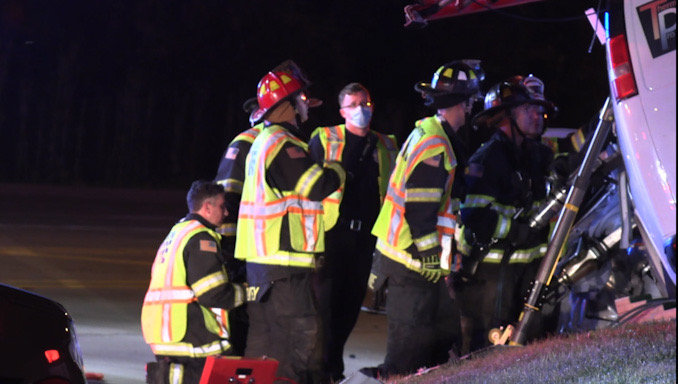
(641, 62)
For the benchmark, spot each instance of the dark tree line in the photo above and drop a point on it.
(148, 93)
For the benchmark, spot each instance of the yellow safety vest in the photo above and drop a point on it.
(165, 308)
(428, 139)
(333, 140)
(263, 208)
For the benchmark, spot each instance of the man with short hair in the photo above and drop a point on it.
(180, 317)
(368, 157)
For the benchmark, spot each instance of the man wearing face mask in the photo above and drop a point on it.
(414, 231)
(506, 181)
(368, 158)
(280, 230)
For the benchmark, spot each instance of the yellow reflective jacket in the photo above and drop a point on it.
(164, 319)
(263, 210)
(427, 140)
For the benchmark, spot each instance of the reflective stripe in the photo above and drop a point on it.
(502, 209)
(335, 141)
(177, 243)
(221, 315)
(162, 295)
(399, 255)
(209, 282)
(447, 221)
(176, 373)
(250, 134)
(232, 185)
(502, 228)
(228, 229)
(518, 256)
(424, 195)
(285, 258)
(578, 140)
(477, 201)
(426, 242)
(186, 349)
(308, 180)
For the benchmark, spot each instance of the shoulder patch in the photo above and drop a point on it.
(208, 246)
(295, 153)
(474, 170)
(232, 153)
(434, 161)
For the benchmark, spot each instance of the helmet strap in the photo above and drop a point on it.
(515, 130)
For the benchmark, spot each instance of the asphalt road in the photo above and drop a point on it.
(91, 249)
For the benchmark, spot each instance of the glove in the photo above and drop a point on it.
(430, 268)
(521, 234)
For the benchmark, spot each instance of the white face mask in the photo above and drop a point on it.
(360, 116)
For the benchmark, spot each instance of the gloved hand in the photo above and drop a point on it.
(430, 262)
(522, 235)
(430, 268)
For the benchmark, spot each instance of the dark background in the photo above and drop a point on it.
(148, 93)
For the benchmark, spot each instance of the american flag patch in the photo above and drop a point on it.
(295, 153)
(208, 246)
(433, 161)
(232, 153)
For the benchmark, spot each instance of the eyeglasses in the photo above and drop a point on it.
(366, 104)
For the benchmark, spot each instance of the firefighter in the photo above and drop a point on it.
(506, 182)
(280, 230)
(414, 231)
(189, 284)
(368, 158)
(231, 174)
(231, 170)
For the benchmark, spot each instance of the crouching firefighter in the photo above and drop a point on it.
(189, 289)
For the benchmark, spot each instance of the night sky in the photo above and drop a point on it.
(148, 93)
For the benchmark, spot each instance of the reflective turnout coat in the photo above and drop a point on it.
(417, 209)
(282, 225)
(180, 313)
